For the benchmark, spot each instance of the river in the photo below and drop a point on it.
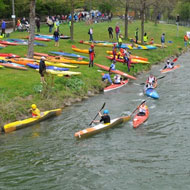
(154, 156)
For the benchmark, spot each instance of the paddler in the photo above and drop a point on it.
(117, 79)
(35, 111)
(151, 79)
(105, 117)
(91, 55)
(142, 109)
(169, 65)
(148, 85)
(107, 77)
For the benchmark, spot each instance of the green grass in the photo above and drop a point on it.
(18, 89)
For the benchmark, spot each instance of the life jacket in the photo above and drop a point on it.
(120, 40)
(143, 108)
(35, 112)
(185, 38)
(91, 53)
(151, 79)
(145, 38)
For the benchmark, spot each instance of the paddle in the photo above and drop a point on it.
(137, 107)
(97, 113)
(157, 79)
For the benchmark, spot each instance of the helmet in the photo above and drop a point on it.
(152, 38)
(33, 106)
(43, 57)
(92, 45)
(168, 61)
(105, 112)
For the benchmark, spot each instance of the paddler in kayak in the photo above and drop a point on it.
(91, 55)
(142, 109)
(105, 117)
(35, 111)
(152, 80)
(117, 79)
(169, 65)
(148, 85)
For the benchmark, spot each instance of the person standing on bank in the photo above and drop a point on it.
(38, 24)
(163, 40)
(3, 27)
(90, 32)
(145, 38)
(56, 37)
(91, 55)
(42, 69)
(136, 35)
(110, 30)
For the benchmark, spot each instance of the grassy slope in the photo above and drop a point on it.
(18, 86)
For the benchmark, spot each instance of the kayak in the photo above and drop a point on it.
(168, 70)
(63, 73)
(1, 67)
(41, 54)
(30, 121)
(40, 39)
(115, 71)
(138, 120)
(132, 56)
(134, 61)
(8, 43)
(9, 55)
(74, 48)
(24, 42)
(34, 66)
(68, 54)
(13, 66)
(51, 36)
(115, 86)
(151, 92)
(60, 65)
(101, 127)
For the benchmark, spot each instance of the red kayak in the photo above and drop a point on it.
(138, 120)
(41, 54)
(168, 70)
(8, 43)
(40, 39)
(9, 65)
(116, 86)
(9, 55)
(116, 71)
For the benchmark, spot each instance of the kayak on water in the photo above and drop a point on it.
(115, 71)
(151, 92)
(68, 54)
(168, 70)
(138, 119)
(115, 86)
(30, 121)
(101, 127)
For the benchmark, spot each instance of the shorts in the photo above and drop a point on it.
(56, 39)
(42, 73)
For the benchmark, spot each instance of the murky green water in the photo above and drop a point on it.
(154, 156)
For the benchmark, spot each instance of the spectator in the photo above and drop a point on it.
(56, 37)
(90, 32)
(163, 40)
(117, 31)
(50, 23)
(3, 27)
(145, 38)
(38, 24)
(110, 30)
(42, 69)
(136, 35)
(91, 55)
(185, 40)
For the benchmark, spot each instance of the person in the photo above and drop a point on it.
(105, 117)
(127, 61)
(169, 65)
(3, 27)
(90, 32)
(42, 69)
(117, 31)
(50, 23)
(185, 40)
(151, 79)
(112, 66)
(120, 40)
(114, 51)
(148, 85)
(35, 111)
(136, 35)
(38, 24)
(110, 30)
(145, 38)
(107, 77)
(152, 41)
(163, 40)
(117, 79)
(56, 37)
(91, 55)
(69, 25)
(142, 109)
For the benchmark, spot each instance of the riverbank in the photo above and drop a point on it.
(20, 89)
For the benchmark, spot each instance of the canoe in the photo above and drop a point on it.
(168, 70)
(101, 127)
(74, 48)
(9, 55)
(115, 71)
(13, 66)
(115, 86)
(68, 54)
(35, 66)
(138, 120)
(63, 73)
(134, 61)
(132, 56)
(30, 121)
(151, 92)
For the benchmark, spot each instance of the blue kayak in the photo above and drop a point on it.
(24, 42)
(68, 54)
(151, 92)
(48, 67)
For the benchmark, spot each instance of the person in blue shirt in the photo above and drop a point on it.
(163, 40)
(107, 76)
(112, 66)
(3, 27)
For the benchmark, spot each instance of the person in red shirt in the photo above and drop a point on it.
(91, 55)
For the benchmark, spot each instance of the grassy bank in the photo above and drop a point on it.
(19, 89)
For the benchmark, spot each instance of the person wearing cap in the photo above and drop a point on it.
(91, 55)
(169, 65)
(105, 117)
(35, 111)
(42, 69)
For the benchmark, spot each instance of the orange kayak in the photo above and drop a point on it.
(168, 70)
(138, 120)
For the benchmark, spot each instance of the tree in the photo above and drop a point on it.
(32, 29)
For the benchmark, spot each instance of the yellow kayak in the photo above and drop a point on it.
(30, 121)
(60, 65)
(74, 48)
(1, 66)
(62, 73)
